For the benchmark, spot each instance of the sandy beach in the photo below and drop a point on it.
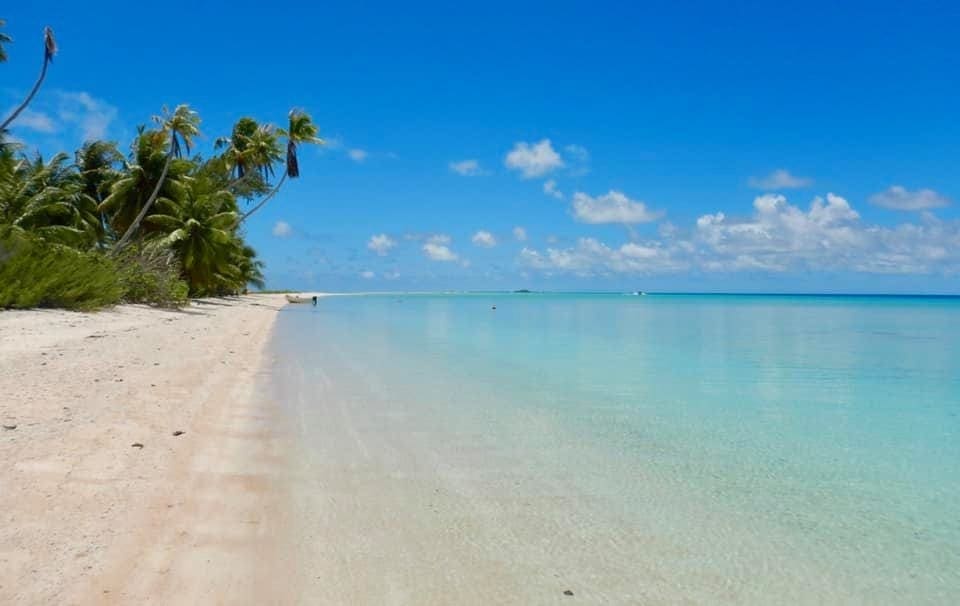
(102, 499)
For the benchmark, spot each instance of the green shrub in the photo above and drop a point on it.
(35, 273)
(152, 278)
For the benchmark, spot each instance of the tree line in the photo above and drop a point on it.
(153, 224)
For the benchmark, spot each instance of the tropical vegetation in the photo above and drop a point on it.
(153, 224)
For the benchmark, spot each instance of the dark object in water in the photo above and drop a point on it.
(314, 299)
(177, 433)
(493, 307)
(523, 291)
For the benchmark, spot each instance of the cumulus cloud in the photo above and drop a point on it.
(591, 257)
(779, 179)
(439, 252)
(900, 198)
(467, 168)
(828, 235)
(282, 229)
(780, 235)
(368, 275)
(533, 159)
(381, 244)
(484, 239)
(358, 155)
(519, 234)
(550, 188)
(612, 207)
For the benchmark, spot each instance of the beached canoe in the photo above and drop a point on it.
(299, 299)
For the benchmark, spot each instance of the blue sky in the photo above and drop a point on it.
(669, 146)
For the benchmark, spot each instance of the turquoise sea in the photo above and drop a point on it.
(634, 449)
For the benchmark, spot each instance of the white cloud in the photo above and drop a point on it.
(91, 115)
(519, 234)
(439, 252)
(533, 160)
(439, 239)
(36, 121)
(484, 238)
(368, 275)
(550, 188)
(72, 114)
(282, 229)
(331, 144)
(900, 198)
(612, 207)
(358, 155)
(578, 152)
(467, 168)
(590, 257)
(828, 235)
(779, 179)
(381, 244)
(580, 159)
(781, 235)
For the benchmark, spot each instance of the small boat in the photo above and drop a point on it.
(300, 299)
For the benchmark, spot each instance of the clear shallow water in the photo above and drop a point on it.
(715, 448)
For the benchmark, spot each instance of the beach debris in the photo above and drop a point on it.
(136, 445)
(178, 433)
(9, 427)
(567, 592)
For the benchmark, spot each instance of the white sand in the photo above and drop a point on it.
(85, 518)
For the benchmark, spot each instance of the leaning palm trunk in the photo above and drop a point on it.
(49, 50)
(266, 199)
(146, 207)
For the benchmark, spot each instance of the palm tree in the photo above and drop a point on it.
(200, 231)
(182, 125)
(4, 39)
(139, 177)
(251, 152)
(301, 130)
(235, 155)
(97, 163)
(49, 50)
(264, 151)
(246, 266)
(47, 198)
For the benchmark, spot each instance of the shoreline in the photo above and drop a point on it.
(88, 517)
